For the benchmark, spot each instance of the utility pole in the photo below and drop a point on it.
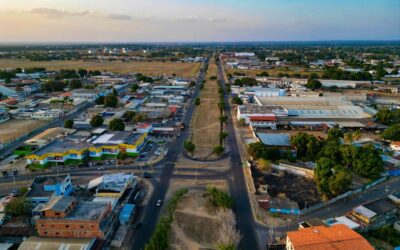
(12, 170)
(196, 176)
(58, 171)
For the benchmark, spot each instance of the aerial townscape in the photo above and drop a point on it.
(194, 125)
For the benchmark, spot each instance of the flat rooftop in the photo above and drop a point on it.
(49, 134)
(332, 107)
(257, 109)
(275, 139)
(86, 211)
(117, 137)
(39, 182)
(59, 203)
(380, 206)
(54, 243)
(60, 146)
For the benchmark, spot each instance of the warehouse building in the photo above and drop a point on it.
(75, 148)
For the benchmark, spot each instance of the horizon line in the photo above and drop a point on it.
(197, 42)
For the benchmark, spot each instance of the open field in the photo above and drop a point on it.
(13, 129)
(188, 70)
(206, 125)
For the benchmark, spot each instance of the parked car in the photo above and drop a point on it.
(137, 225)
(147, 175)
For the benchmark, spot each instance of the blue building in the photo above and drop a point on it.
(44, 188)
(127, 211)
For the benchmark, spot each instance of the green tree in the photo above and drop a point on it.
(82, 72)
(114, 92)
(96, 121)
(322, 173)
(189, 146)
(242, 122)
(263, 74)
(219, 198)
(139, 118)
(392, 133)
(111, 101)
(17, 206)
(237, 100)
(349, 138)
(384, 116)
(116, 124)
(335, 134)
(223, 118)
(197, 101)
(369, 163)
(68, 123)
(218, 150)
(75, 84)
(134, 87)
(100, 100)
(129, 115)
(339, 182)
(223, 135)
(313, 84)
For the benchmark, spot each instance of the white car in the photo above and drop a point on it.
(159, 202)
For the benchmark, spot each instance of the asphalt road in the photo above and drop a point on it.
(152, 212)
(237, 184)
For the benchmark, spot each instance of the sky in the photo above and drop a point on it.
(198, 20)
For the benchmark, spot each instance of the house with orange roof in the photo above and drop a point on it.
(326, 238)
(395, 145)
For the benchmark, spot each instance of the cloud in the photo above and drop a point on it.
(119, 17)
(57, 13)
(192, 19)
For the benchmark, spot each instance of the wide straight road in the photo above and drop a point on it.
(152, 212)
(237, 184)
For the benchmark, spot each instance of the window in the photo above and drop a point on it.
(45, 232)
(67, 226)
(57, 233)
(57, 213)
(82, 226)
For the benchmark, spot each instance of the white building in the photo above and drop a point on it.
(244, 54)
(263, 92)
(48, 115)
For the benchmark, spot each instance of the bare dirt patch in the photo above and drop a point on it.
(13, 129)
(196, 224)
(206, 124)
(155, 68)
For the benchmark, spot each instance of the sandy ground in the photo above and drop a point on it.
(205, 123)
(196, 223)
(13, 129)
(188, 70)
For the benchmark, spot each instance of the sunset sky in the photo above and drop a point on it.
(195, 20)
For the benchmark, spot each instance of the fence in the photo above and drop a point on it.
(344, 195)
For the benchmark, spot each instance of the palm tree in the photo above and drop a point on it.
(357, 135)
(349, 138)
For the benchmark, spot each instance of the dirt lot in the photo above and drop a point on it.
(296, 188)
(188, 70)
(205, 124)
(196, 224)
(13, 129)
